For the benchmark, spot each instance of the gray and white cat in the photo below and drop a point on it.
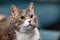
(28, 28)
(24, 23)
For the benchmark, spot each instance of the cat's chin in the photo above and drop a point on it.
(29, 27)
(26, 30)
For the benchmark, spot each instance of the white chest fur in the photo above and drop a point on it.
(24, 36)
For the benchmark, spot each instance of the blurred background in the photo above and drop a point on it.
(47, 11)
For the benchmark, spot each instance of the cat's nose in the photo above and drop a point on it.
(29, 21)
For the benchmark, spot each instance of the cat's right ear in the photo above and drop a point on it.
(14, 11)
(30, 8)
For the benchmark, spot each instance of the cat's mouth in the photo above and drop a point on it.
(29, 26)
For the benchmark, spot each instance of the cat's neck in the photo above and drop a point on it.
(26, 32)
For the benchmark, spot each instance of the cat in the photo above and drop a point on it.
(21, 25)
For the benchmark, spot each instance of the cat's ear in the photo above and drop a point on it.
(14, 11)
(30, 8)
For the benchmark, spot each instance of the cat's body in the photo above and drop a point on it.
(6, 32)
(21, 25)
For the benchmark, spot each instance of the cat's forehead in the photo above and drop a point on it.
(24, 13)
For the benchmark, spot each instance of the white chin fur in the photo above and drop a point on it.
(24, 36)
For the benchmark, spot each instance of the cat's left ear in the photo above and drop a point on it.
(30, 8)
(15, 11)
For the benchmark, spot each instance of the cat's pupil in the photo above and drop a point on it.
(31, 16)
(22, 17)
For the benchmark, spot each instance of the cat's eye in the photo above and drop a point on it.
(31, 16)
(22, 17)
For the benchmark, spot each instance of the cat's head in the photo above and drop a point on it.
(25, 19)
